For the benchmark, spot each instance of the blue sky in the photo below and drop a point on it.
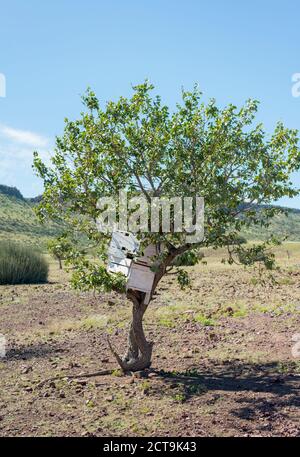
(51, 51)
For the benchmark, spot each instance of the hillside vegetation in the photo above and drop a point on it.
(284, 226)
(18, 222)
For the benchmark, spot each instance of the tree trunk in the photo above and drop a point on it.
(139, 352)
(133, 349)
(60, 264)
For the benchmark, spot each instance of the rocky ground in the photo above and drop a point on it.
(223, 363)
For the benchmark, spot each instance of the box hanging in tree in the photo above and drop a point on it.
(123, 247)
(141, 278)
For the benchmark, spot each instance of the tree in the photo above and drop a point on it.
(60, 248)
(138, 144)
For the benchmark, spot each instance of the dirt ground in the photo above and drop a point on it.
(223, 361)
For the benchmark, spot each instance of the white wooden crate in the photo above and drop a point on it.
(122, 248)
(141, 278)
(117, 265)
(122, 244)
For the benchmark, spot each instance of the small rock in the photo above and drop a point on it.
(152, 375)
(187, 356)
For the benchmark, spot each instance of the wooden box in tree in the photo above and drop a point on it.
(118, 265)
(122, 248)
(141, 278)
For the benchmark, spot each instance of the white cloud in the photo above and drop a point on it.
(16, 158)
(24, 137)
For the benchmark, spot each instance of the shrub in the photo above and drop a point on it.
(21, 265)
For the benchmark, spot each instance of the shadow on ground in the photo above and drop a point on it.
(30, 352)
(273, 391)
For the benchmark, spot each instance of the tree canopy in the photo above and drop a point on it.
(140, 145)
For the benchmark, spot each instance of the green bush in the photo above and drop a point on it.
(21, 265)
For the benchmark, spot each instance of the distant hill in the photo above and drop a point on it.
(282, 226)
(19, 222)
(14, 192)
(11, 191)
